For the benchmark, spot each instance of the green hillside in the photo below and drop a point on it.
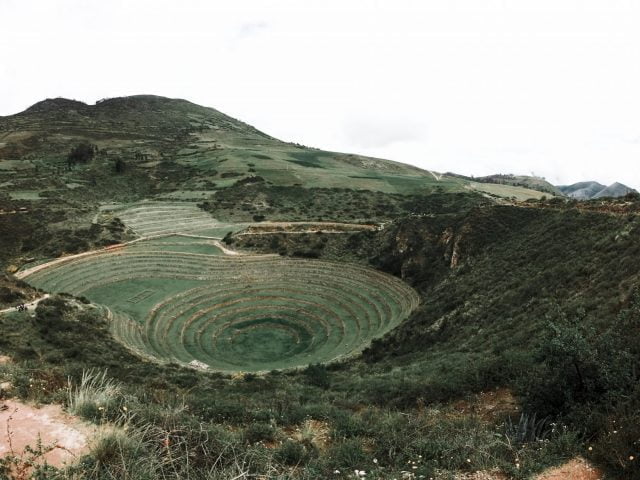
(224, 305)
(175, 149)
(501, 308)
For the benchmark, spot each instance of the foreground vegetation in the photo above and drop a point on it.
(186, 424)
(533, 298)
(501, 308)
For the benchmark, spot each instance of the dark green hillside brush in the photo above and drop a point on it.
(44, 231)
(531, 292)
(187, 424)
(537, 298)
(295, 203)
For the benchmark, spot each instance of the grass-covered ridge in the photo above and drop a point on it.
(144, 146)
(218, 311)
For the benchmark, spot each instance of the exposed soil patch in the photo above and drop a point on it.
(576, 469)
(489, 406)
(63, 437)
(31, 306)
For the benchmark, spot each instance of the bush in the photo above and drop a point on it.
(259, 432)
(318, 376)
(96, 397)
(291, 453)
(348, 455)
(583, 367)
(617, 446)
(81, 153)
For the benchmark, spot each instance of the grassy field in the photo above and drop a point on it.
(177, 299)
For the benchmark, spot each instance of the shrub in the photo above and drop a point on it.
(348, 454)
(96, 397)
(291, 453)
(318, 375)
(81, 153)
(259, 432)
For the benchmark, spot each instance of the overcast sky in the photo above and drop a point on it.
(550, 87)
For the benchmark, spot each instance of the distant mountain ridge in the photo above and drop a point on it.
(592, 190)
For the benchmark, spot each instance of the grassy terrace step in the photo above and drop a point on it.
(170, 300)
(153, 218)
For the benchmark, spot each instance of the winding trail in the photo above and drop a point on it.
(313, 227)
(269, 228)
(25, 273)
(31, 306)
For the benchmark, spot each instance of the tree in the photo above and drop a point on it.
(120, 166)
(81, 153)
(585, 365)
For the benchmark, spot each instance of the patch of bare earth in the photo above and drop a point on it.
(62, 436)
(575, 469)
(489, 406)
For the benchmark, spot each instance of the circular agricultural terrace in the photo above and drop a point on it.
(171, 302)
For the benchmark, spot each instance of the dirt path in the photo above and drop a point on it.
(312, 227)
(356, 226)
(31, 306)
(576, 469)
(29, 271)
(214, 241)
(64, 438)
(266, 228)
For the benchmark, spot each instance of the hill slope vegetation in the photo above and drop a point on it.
(531, 301)
(134, 147)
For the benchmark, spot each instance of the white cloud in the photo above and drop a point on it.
(379, 131)
(549, 86)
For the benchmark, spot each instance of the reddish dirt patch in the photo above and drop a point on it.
(4, 359)
(63, 437)
(489, 406)
(576, 469)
